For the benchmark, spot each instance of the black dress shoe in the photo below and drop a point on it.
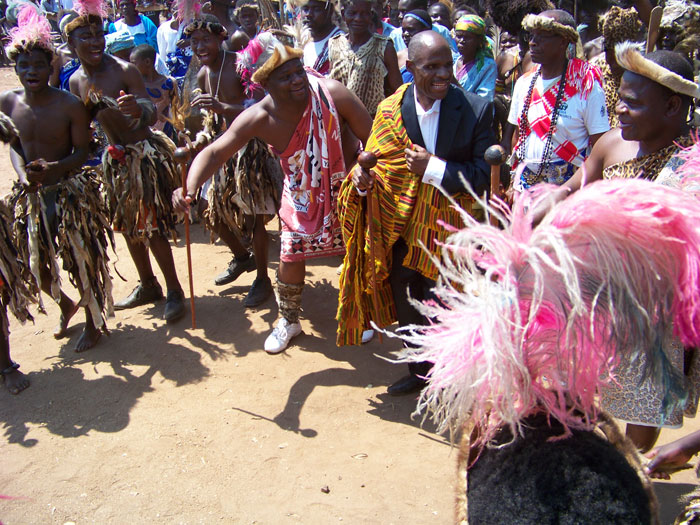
(174, 306)
(259, 291)
(406, 385)
(235, 268)
(142, 294)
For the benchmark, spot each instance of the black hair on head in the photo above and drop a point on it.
(144, 51)
(423, 15)
(509, 14)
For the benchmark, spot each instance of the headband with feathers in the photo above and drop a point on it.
(33, 31)
(262, 56)
(89, 12)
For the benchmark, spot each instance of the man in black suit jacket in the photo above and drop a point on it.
(438, 143)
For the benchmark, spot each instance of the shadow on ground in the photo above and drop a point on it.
(669, 495)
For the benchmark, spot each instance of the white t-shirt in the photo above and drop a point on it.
(578, 118)
(167, 38)
(138, 29)
(313, 49)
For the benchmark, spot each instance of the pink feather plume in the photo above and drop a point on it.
(538, 319)
(32, 28)
(91, 7)
(187, 10)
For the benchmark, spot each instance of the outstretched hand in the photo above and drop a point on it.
(128, 105)
(673, 456)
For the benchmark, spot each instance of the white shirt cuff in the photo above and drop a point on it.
(435, 171)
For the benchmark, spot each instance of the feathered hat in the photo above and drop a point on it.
(33, 31)
(87, 12)
(629, 57)
(262, 56)
(531, 320)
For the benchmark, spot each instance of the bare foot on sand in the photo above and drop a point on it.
(15, 381)
(88, 339)
(62, 328)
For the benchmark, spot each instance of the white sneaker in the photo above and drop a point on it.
(278, 340)
(367, 336)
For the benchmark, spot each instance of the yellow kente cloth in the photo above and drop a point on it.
(402, 207)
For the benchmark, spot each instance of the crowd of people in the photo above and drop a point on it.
(276, 104)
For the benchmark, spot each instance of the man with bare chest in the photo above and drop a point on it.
(138, 167)
(57, 206)
(300, 117)
(243, 195)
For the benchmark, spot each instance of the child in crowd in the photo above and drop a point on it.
(162, 90)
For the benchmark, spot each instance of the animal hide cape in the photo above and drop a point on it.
(82, 236)
(536, 319)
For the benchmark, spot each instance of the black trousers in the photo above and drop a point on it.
(405, 282)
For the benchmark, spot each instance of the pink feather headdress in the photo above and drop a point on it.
(87, 8)
(261, 56)
(33, 31)
(538, 319)
(187, 10)
(88, 12)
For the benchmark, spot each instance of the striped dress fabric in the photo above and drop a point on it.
(402, 207)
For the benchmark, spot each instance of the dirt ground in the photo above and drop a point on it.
(166, 424)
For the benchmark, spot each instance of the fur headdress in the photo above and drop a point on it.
(262, 56)
(88, 12)
(619, 25)
(33, 31)
(630, 58)
(535, 320)
(544, 23)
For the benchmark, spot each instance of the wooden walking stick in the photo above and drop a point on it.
(368, 160)
(495, 156)
(182, 155)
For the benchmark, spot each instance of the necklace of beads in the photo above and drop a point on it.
(524, 124)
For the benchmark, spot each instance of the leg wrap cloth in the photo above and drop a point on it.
(18, 288)
(138, 185)
(67, 220)
(289, 300)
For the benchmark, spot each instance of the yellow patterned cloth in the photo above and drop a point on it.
(402, 207)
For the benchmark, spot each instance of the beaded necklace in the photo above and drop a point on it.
(524, 124)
